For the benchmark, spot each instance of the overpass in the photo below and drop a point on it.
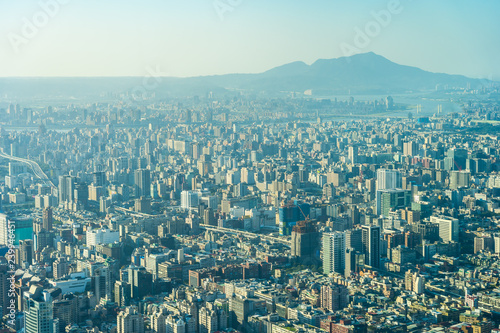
(244, 233)
(34, 167)
(212, 228)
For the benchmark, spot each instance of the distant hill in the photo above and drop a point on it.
(358, 74)
(361, 73)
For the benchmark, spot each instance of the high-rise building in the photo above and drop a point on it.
(26, 251)
(354, 239)
(5, 286)
(414, 282)
(371, 245)
(211, 319)
(81, 195)
(305, 242)
(122, 293)
(158, 320)
(189, 199)
(60, 268)
(456, 159)
(354, 261)
(66, 188)
(142, 205)
(459, 179)
(99, 178)
(393, 199)
(4, 228)
(142, 183)
(448, 228)
(334, 297)
(333, 252)
(130, 320)
(353, 154)
(66, 311)
(141, 282)
(290, 214)
(410, 148)
(47, 219)
(102, 280)
(38, 311)
(388, 179)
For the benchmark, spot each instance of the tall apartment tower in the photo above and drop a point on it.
(142, 183)
(353, 154)
(130, 320)
(333, 252)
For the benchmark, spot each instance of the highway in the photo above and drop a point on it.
(213, 228)
(245, 233)
(34, 167)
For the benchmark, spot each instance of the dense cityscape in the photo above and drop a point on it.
(241, 214)
(231, 166)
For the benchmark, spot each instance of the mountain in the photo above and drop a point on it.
(361, 73)
(358, 74)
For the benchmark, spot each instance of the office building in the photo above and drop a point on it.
(189, 199)
(142, 183)
(354, 239)
(388, 179)
(47, 219)
(38, 311)
(371, 245)
(448, 228)
(393, 199)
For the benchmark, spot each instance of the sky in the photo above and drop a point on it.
(207, 37)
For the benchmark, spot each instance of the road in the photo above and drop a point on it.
(245, 233)
(34, 167)
(214, 228)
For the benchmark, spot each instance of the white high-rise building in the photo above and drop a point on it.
(388, 179)
(496, 240)
(4, 225)
(333, 252)
(448, 228)
(189, 199)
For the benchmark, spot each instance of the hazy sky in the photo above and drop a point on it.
(192, 37)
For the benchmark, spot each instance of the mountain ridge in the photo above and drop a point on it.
(362, 73)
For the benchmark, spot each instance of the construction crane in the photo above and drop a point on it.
(306, 218)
